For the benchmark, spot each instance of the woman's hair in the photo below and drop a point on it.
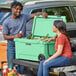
(15, 4)
(61, 26)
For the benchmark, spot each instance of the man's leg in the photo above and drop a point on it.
(10, 55)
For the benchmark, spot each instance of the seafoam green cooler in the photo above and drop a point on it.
(33, 49)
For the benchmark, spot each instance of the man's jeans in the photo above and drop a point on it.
(59, 61)
(10, 56)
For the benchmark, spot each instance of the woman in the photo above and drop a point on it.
(63, 54)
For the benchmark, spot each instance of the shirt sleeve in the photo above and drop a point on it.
(61, 41)
(28, 17)
(5, 28)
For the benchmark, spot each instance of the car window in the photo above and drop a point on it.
(30, 23)
(74, 12)
(74, 8)
(60, 11)
(3, 16)
(36, 10)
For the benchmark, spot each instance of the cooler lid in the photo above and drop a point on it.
(43, 26)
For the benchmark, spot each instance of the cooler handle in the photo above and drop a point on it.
(28, 43)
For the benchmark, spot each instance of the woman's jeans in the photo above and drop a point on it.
(59, 61)
(10, 56)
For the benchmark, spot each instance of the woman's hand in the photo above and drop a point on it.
(45, 40)
(46, 61)
(48, 40)
(51, 39)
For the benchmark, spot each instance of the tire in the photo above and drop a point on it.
(41, 57)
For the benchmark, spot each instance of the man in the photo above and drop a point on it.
(12, 27)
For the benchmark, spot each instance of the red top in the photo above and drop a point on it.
(63, 40)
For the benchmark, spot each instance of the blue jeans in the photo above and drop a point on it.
(10, 56)
(59, 61)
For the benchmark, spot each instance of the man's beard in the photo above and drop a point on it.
(16, 15)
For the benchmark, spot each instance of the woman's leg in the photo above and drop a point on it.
(40, 70)
(59, 61)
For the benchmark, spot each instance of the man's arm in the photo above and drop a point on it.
(39, 13)
(7, 37)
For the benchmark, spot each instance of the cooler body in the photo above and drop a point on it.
(33, 50)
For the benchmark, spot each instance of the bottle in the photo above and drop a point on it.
(14, 70)
(20, 32)
(46, 36)
(4, 73)
(29, 36)
(11, 73)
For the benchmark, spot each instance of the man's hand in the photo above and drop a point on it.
(39, 13)
(18, 35)
(7, 37)
(44, 15)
